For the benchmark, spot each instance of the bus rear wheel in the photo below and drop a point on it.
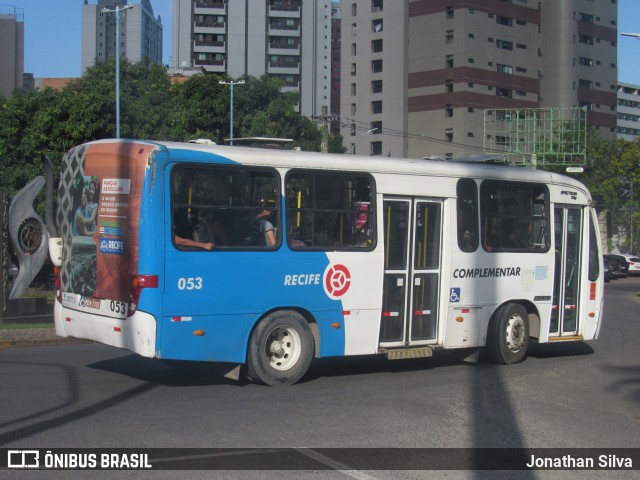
(508, 336)
(280, 349)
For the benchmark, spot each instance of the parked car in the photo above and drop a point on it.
(612, 268)
(633, 263)
(620, 260)
(608, 270)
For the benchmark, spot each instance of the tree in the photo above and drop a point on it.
(198, 109)
(336, 143)
(614, 166)
(51, 122)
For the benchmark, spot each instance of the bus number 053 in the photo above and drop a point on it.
(118, 307)
(190, 283)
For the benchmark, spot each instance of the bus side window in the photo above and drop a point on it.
(229, 207)
(329, 211)
(467, 214)
(514, 216)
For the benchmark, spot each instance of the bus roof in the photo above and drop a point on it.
(360, 163)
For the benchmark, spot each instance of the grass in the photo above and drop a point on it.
(14, 326)
(40, 293)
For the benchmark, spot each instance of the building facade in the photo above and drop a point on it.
(336, 52)
(289, 39)
(422, 72)
(628, 111)
(11, 50)
(140, 33)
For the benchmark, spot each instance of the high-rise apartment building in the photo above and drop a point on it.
(628, 111)
(11, 49)
(140, 32)
(422, 72)
(289, 39)
(336, 51)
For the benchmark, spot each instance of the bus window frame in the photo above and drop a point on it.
(372, 212)
(276, 220)
(472, 223)
(513, 185)
(593, 269)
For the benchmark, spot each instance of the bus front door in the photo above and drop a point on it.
(412, 262)
(566, 285)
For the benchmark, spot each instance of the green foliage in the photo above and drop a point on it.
(51, 121)
(335, 143)
(613, 166)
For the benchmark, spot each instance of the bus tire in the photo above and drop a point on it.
(280, 349)
(508, 335)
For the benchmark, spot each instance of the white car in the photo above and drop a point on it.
(634, 264)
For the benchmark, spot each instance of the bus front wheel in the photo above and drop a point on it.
(280, 349)
(508, 336)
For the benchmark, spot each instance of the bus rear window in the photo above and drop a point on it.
(225, 206)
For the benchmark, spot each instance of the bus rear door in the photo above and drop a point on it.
(412, 271)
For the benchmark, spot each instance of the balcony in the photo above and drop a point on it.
(209, 47)
(209, 27)
(215, 66)
(283, 30)
(283, 49)
(284, 68)
(210, 7)
(285, 9)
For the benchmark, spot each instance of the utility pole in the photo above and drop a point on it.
(231, 83)
(117, 11)
(325, 120)
(633, 209)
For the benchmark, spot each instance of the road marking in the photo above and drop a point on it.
(341, 467)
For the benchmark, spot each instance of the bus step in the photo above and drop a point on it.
(568, 338)
(405, 353)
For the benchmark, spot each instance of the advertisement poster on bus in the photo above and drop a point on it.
(106, 215)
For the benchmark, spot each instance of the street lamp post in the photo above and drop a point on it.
(231, 83)
(117, 11)
(368, 132)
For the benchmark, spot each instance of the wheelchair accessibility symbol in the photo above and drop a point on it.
(454, 295)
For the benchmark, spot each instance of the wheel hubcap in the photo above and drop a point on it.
(516, 333)
(283, 347)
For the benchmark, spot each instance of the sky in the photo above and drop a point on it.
(53, 35)
(53, 32)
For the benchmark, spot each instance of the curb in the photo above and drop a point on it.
(41, 343)
(35, 337)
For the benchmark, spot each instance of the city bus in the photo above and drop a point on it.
(261, 260)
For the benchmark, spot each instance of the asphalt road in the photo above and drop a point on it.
(563, 396)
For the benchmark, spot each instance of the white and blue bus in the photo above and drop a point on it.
(269, 258)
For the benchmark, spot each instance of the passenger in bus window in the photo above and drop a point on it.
(208, 228)
(186, 242)
(469, 242)
(266, 227)
(183, 232)
(467, 239)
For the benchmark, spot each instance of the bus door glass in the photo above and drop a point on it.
(568, 241)
(412, 233)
